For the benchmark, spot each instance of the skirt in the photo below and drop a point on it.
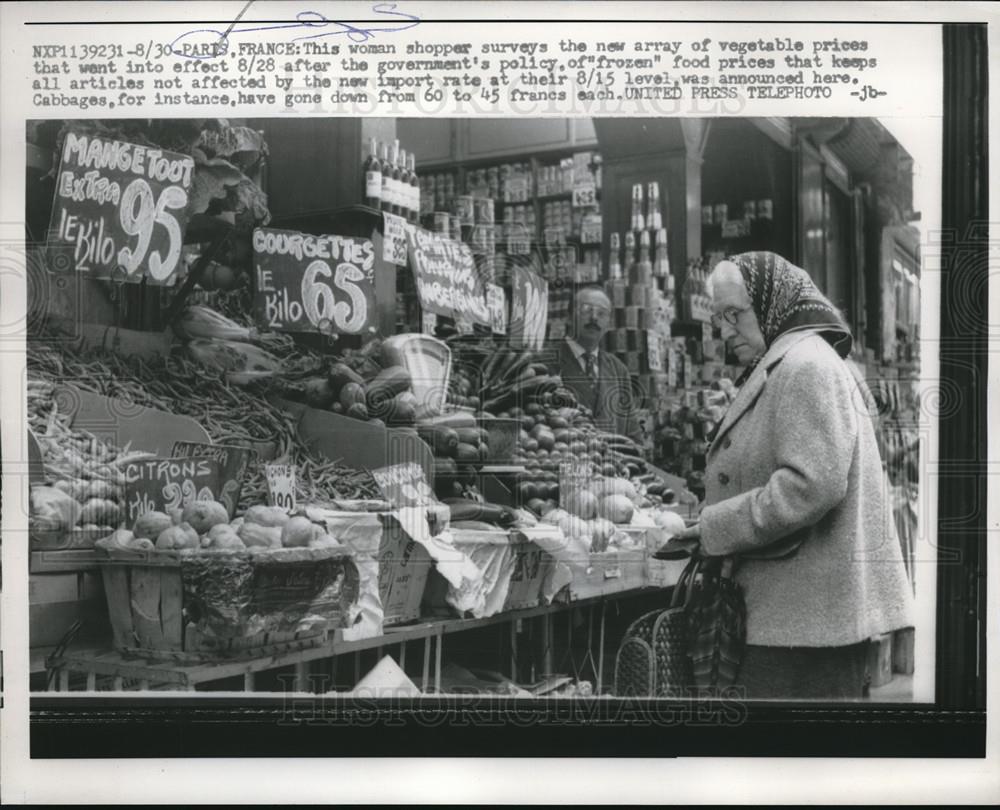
(792, 673)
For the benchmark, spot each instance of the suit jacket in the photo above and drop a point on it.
(611, 398)
(795, 461)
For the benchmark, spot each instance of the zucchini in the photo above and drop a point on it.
(453, 419)
(442, 440)
(471, 436)
(466, 453)
(386, 384)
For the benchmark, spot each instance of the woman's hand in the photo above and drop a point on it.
(683, 544)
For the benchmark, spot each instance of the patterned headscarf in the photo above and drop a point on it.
(785, 299)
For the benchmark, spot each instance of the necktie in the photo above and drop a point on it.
(589, 365)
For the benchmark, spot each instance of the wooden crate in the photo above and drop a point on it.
(57, 600)
(404, 566)
(609, 572)
(159, 607)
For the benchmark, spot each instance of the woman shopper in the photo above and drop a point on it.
(794, 489)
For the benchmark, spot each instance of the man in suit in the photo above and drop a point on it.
(601, 381)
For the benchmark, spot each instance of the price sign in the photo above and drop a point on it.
(404, 485)
(496, 299)
(430, 322)
(233, 463)
(464, 326)
(308, 283)
(394, 240)
(592, 229)
(574, 476)
(163, 484)
(584, 195)
(446, 277)
(281, 486)
(120, 209)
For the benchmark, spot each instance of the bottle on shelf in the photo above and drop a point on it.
(614, 258)
(372, 168)
(397, 185)
(415, 187)
(654, 217)
(388, 197)
(661, 263)
(405, 203)
(628, 263)
(643, 265)
(638, 220)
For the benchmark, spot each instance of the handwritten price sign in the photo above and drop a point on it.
(120, 209)
(281, 486)
(529, 309)
(394, 240)
(404, 485)
(308, 283)
(164, 484)
(584, 195)
(496, 300)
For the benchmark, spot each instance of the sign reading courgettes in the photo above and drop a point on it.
(120, 209)
(309, 283)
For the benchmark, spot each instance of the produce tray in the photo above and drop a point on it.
(206, 604)
(608, 572)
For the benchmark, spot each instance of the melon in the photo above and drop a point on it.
(602, 530)
(582, 503)
(615, 486)
(616, 508)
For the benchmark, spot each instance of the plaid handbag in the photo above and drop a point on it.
(717, 625)
(653, 659)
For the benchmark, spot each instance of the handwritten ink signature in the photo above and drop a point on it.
(209, 43)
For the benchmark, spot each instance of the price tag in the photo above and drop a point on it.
(404, 485)
(613, 573)
(591, 230)
(496, 299)
(281, 486)
(574, 476)
(394, 240)
(233, 463)
(584, 195)
(430, 322)
(464, 326)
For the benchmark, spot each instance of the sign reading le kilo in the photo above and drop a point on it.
(308, 283)
(120, 209)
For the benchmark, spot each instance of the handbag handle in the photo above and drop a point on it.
(684, 589)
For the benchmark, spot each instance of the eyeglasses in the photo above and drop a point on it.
(594, 310)
(730, 316)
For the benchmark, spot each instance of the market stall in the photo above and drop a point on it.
(272, 440)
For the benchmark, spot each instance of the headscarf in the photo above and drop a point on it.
(785, 299)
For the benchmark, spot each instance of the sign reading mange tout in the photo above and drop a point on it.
(120, 209)
(307, 283)
(446, 277)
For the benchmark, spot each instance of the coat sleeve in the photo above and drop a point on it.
(814, 430)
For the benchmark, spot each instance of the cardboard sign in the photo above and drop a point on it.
(233, 463)
(496, 300)
(447, 280)
(529, 309)
(281, 486)
(162, 484)
(404, 485)
(574, 476)
(430, 322)
(307, 283)
(584, 195)
(654, 352)
(394, 240)
(120, 209)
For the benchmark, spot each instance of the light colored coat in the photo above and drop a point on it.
(795, 460)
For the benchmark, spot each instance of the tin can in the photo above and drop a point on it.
(441, 222)
(721, 213)
(765, 209)
(484, 210)
(465, 209)
(749, 210)
(455, 228)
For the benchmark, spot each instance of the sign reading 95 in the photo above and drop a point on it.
(120, 209)
(309, 283)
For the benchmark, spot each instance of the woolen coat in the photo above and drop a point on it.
(610, 397)
(795, 463)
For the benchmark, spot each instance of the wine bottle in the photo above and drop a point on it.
(397, 185)
(405, 191)
(614, 258)
(415, 185)
(373, 177)
(387, 187)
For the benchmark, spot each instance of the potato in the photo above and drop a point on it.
(299, 531)
(151, 525)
